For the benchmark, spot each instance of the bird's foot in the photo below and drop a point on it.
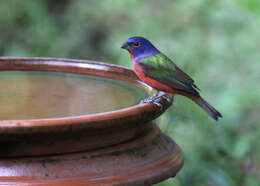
(169, 100)
(154, 99)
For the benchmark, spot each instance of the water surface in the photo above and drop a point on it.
(35, 95)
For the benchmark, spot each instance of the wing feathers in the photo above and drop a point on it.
(159, 67)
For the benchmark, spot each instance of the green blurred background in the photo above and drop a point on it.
(217, 42)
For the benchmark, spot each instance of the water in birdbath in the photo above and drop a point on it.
(37, 95)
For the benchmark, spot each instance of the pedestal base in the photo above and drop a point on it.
(145, 160)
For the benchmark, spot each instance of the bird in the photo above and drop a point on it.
(159, 72)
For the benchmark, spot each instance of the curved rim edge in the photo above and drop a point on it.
(75, 66)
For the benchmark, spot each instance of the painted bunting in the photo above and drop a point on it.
(158, 71)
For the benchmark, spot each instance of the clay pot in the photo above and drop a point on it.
(80, 122)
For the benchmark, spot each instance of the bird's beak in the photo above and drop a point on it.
(125, 46)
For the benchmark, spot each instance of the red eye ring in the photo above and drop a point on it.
(136, 44)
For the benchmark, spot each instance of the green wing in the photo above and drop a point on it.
(159, 67)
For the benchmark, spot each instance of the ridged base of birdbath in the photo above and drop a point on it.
(146, 160)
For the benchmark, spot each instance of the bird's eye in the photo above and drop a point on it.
(136, 44)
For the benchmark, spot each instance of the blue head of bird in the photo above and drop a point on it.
(139, 47)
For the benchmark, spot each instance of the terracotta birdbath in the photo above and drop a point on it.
(77, 122)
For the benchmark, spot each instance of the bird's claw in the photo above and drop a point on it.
(154, 101)
(169, 100)
(162, 95)
(158, 105)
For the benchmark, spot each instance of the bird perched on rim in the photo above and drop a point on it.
(158, 71)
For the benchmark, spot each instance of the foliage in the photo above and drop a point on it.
(216, 42)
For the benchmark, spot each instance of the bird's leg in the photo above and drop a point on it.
(152, 100)
(161, 95)
(155, 97)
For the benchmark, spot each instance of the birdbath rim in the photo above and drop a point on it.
(141, 112)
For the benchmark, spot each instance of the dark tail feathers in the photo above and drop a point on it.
(206, 107)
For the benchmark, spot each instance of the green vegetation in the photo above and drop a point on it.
(217, 42)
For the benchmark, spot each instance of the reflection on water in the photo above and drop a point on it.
(31, 95)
